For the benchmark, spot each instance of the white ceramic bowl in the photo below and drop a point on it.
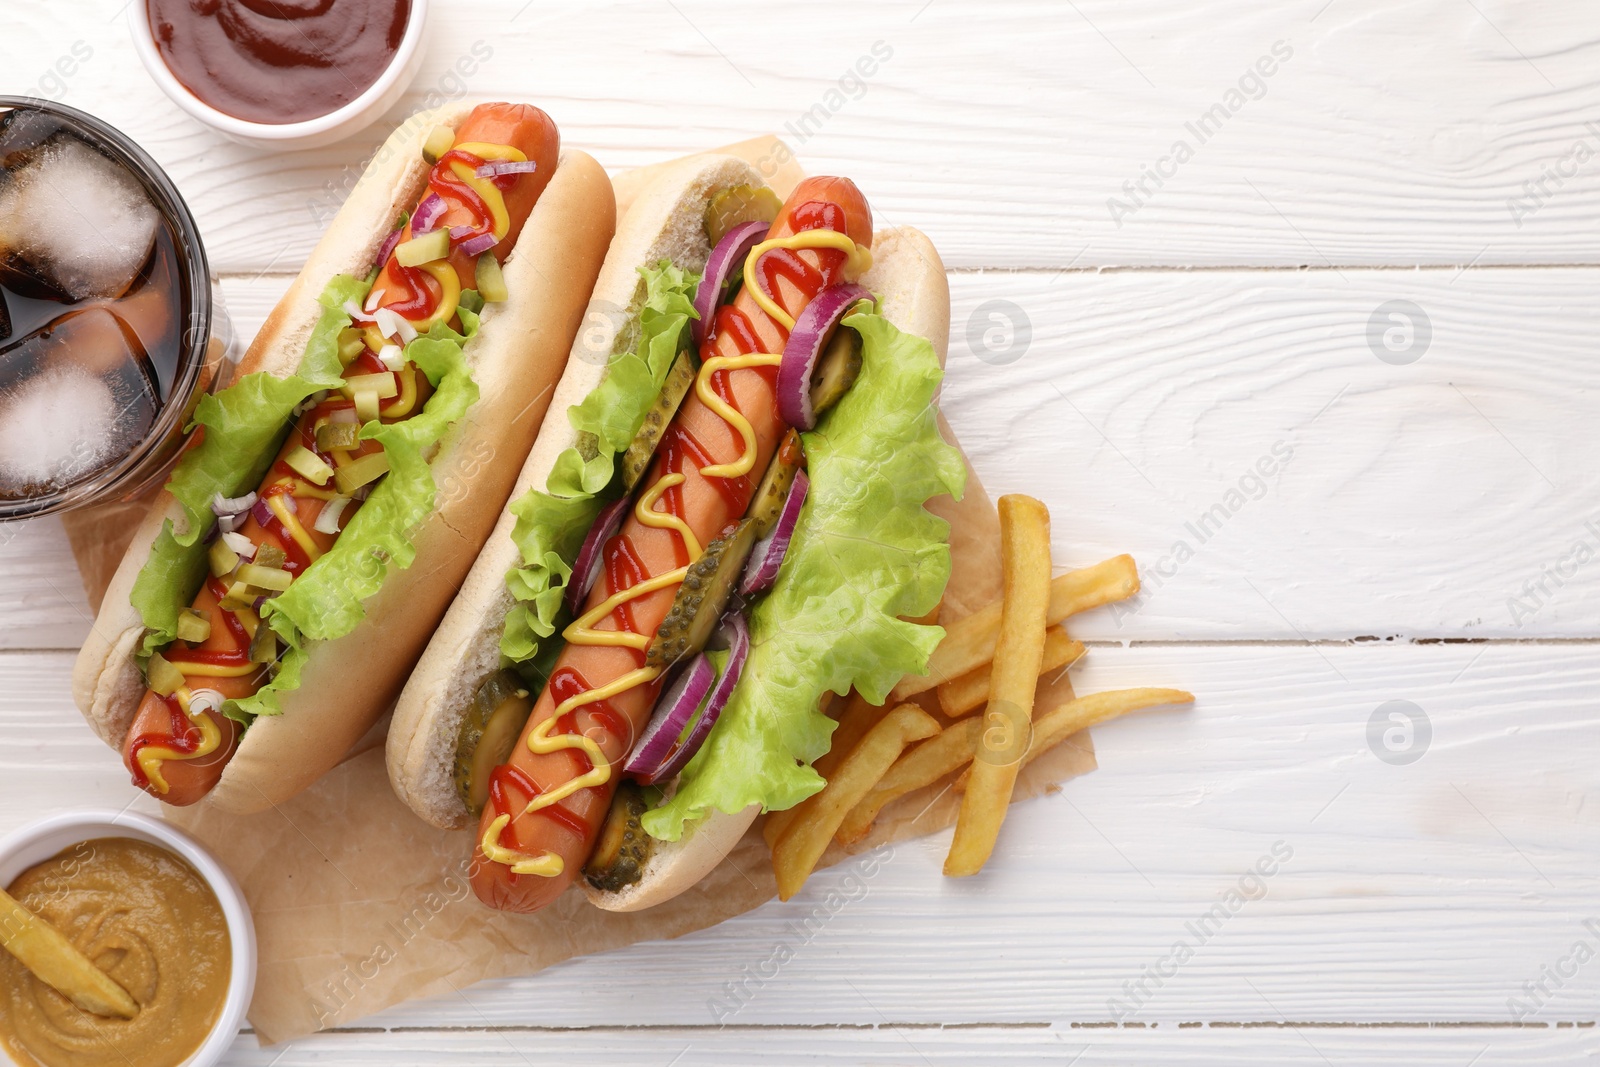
(37, 842)
(312, 133)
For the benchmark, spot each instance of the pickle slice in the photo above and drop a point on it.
(837, 369)
(739, 204)
(489, 731)
(702, 597)
(622, 848)
(767, 504)
(636, 460)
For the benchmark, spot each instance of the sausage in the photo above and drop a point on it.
(158, 722)
(568, 828)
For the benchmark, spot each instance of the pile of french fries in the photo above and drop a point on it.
(991, 660)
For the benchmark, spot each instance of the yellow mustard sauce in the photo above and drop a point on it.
(147, 919)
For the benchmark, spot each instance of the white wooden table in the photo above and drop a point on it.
(1419, 543)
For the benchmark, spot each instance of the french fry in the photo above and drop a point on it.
(969, 643)
(1019, 644)
(922, 766)
(57, 963)
(817, 818)
(1055, 726)
(857, 718)
(971, 690)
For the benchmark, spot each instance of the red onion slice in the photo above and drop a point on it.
(387, 248)
(673, 712)
(506, 167)
(261, 513)
(765, 559)
(725, 264)
(658, 757)
(427, 215)
(476, 246)
(800, 353)
(591, 557)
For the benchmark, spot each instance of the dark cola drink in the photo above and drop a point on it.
(105, 312)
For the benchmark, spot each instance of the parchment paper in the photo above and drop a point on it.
(359, 905)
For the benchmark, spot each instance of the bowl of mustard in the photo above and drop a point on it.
(154, 911)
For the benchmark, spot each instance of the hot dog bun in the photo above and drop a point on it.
(665, 222)
(516, 358)
(909, 277)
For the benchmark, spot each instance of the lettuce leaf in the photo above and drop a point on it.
(552, 522)
(239, 430)
(865, 553)
(243, 428)
(324, 602)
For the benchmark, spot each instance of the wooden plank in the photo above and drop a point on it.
(1444, 498)
(1421, 892)
(1223, 1046)
(1383, 135)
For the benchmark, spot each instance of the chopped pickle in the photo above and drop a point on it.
(491, 281)
(359, 472)
(223, 558)
(702, 598)
(259, 577)
(270, 556)
(636, 460)
(305, 462)
(740, 204)
(382, 385)
(837, 369)
(622, 848)
(767, 504)
(424, 249)
(164, 677)
(263, 645)
(238, 597)
(368, 406)
(193, 626)
(488, 733)
(440, 140)
(332, 435)
(351, 343)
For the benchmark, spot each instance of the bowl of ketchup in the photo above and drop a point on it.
(281, 73)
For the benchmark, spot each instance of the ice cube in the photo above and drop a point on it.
(75, 397)
(75, 222)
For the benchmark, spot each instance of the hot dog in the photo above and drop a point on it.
(426, 389)
(706, 504)
(618, 700)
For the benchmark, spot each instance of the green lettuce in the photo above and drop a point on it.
(238, 431)
(244, 427)
(865, 553)
(551, 522)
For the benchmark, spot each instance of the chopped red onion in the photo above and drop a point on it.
(586, 567)
(767, 557)
(722, 268)
(261, 513)
(231, 505)
(427, 215)
(477, 246)
(387, 248)
(242, 546)
(506, 167)
(800, 353)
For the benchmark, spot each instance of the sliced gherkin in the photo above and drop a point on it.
(636, 460)
(702, 597)
(489, 731)
(622, 848)
(767, 504)
(737, 205)
(837, 369)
